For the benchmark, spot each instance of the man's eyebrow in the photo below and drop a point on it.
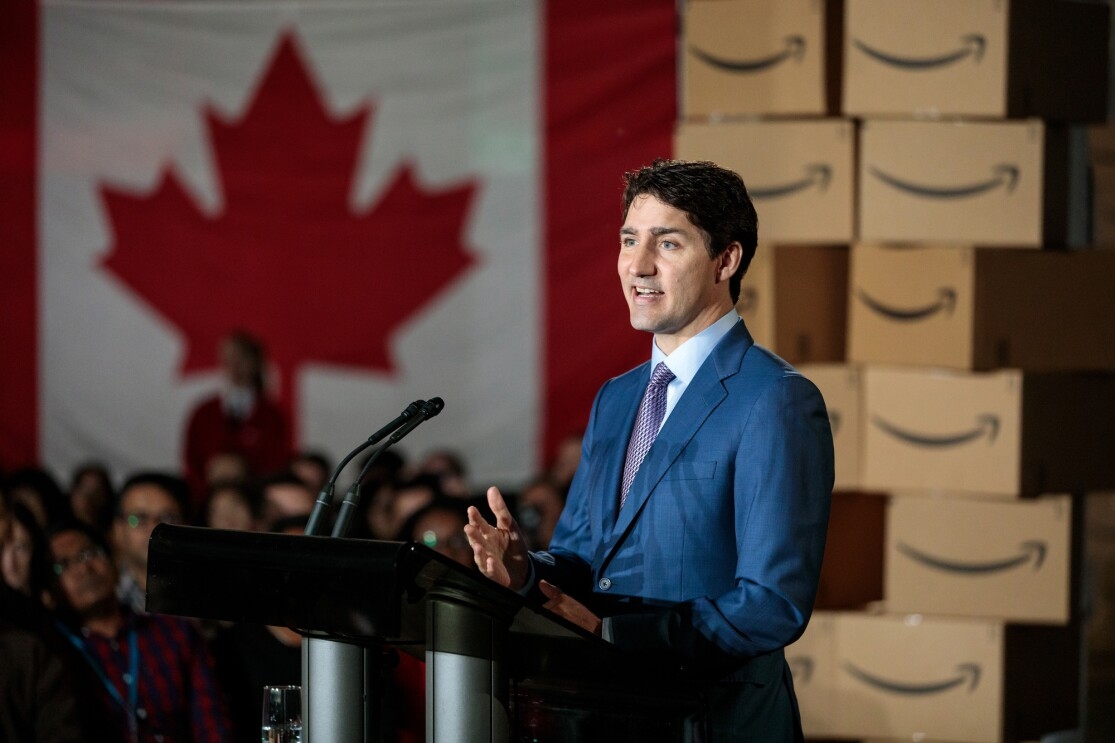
(656, 231)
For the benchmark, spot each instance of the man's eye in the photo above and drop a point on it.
(627, 242)
(669, 244)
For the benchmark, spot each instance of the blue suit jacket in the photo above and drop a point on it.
(714, 558)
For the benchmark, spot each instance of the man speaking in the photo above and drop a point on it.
(695, 525)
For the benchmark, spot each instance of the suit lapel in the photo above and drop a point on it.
(701, 397)
(620, 406)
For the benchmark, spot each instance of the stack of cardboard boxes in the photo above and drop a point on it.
(911, 166)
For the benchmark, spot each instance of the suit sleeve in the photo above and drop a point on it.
(781, 487)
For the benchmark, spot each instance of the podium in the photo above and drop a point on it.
(497, 667)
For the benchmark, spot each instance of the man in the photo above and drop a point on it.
(155, 678)
(705, 553)
(146, 500)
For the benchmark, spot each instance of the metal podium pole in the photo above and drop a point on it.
(333, 692)
(466, 683)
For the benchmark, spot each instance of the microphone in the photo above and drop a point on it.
(426, 410)
(325, 497)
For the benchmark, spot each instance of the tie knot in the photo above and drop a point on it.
(661, 376)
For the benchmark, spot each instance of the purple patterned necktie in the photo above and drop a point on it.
(651, 411)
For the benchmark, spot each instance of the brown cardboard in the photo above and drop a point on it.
(919, 678)
(799, 173)
(852, 573)
(794, 301)
(752, 57)
(914, 677)
(812, 661)
(982, 183)
(1003, 432)
(996, 559)
(981, 308)
(976, 58)
(841, 386)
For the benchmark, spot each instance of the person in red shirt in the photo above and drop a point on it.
(240, 419)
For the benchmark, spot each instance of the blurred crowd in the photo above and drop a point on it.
(82, 660)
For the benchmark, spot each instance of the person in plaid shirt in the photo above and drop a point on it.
(153, 673)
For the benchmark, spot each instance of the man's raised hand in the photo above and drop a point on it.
(498, 549)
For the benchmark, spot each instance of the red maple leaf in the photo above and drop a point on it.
(285, 257)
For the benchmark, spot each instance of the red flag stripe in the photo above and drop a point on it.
(19, 426)
(598, 124)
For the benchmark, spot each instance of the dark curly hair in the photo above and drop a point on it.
(714, 198)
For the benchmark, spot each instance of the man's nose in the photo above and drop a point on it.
(642, 261)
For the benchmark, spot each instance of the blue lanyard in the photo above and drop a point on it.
(131, 680)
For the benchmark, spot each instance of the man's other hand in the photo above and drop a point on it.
(567, 607)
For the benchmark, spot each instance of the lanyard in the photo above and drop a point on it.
(131, 679)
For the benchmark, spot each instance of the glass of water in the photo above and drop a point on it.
(282, 714)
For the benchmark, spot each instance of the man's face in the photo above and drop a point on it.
(142, 508)
(85, 573)
(673, 288)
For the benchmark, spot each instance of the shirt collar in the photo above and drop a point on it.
(687, 358)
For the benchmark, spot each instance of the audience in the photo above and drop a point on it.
(39, 491)
(146, 500)
(283, 496)
(90, 567)
(232, 505)
(92, 497)
(23, 559)
(155, 672)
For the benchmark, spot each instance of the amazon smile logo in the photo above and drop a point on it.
(1004, 175)
(801, 668)
(944, 304)
(794, 49)
(1030, 551)
(971, 47)
(816, 174)
(986, 425)
(966, 673)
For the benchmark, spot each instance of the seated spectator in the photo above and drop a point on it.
(440, 525)
(394, 503)
(240, 418)
(232, 505)
(146, 500)
(313, 468)
(156, 679)
(39, 491)
(449, 467)
(283, 496)
(537, 510)
(23, 559)
(92, 497)
(228, 466)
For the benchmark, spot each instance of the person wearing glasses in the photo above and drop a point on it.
(146, 500)
(152, 675)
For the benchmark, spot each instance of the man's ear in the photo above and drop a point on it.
(728, 262)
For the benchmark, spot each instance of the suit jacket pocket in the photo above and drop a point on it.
(691, 471)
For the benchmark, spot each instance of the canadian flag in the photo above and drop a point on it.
(401, 199)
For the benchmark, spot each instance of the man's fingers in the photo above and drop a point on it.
(549, 590)
(499, 508)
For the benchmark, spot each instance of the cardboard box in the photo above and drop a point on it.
(852, 573)
(799, 173)
(981, 183)
(982, 308)
(1002, 432)
(812, 661)
(1007, 560)
(841, 386)
(971, 680)
(976, 58)
(758, 57)
(794, 301)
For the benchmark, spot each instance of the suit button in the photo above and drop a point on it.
(604, 584)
